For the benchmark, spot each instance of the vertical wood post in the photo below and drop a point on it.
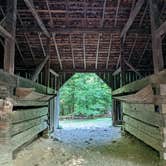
(161, 91)
(9, 50)
(57, 111)
(5, 133)
(158, 62)
(47, 66)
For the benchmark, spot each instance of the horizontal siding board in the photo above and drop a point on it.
(142, 113)
(27, 114)
(27, 135)
(144, 137)
(143, 127)
(20, 127)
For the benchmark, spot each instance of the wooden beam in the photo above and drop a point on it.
(41, 43)
(72, 52)
(17, 45)
(117, 71)
(97, 50)
(30, 48)
(81, 30)
(161, 30)
(26, 38)
(109, 52)
(103, 14)
(144, 50)
(132, 17)
(57, 51)
(39, 68)
(143, 16)
(5, 33)
(117, 11)
(84, 50)
(158, 62)
(132, 68)
(99, 36)
(9, 50)
(132, 48)
(38, 19)
(50, 15)
(54, 73)
(47, 65)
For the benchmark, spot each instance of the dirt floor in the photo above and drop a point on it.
(77, 144)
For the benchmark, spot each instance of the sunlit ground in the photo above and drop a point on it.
(84, 143)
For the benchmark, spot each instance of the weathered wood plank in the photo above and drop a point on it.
(17, 81)
(144, 137)
(5, 128)
(143, 112)
(154, 79)
(151, 131)
(27, 114)
(23, 137)
(26, 103)
(20, 127)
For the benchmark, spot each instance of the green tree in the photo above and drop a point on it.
(85, 95)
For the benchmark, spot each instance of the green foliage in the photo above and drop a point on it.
(85, 95)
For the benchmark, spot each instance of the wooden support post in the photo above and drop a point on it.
(5, 133)
(9, 50)
(51, 114)
(39, 68)
(47, 67)
(158, 62)
(57, 111)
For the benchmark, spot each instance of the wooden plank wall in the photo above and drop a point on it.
(27, 123)
(5, 128)
(143, 122)
(147, 122)
(22, 118)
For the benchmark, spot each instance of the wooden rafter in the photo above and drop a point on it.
(54, 73)
(72, 52)
(117, 11)
(57, 51)
(143, 16)
(161, 30)
(132, 68)
(17, 45)
(132, 17)
(26, 38)
(75, 30)
(50, 15)
(109, 52)
(84, 51)
(133, 46)
(39, 68)
(103, 14)
(99, 35)
(41, 43)
(5, 33)
(97, 50)
(9, 48)
(144, 50)
(29, 45)
(36, 16)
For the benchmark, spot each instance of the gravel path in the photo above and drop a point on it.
(85, 133)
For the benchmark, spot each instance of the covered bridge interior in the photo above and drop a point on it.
(44, 42)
